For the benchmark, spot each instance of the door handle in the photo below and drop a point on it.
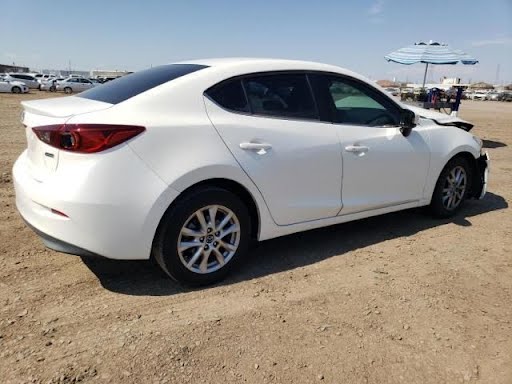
(255, 146)
(357, 148)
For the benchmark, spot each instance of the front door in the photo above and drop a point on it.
(271, 126)
(381, 167)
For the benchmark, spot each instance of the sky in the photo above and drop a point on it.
(136, 34)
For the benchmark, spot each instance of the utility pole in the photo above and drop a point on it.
(497, 79)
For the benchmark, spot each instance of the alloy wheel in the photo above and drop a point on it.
(454, 188)
(209, 239)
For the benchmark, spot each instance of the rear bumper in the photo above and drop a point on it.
(113, 205)
(61, 246)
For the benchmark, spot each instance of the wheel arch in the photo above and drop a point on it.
(230, 185)
(237, 189)
(465, 153)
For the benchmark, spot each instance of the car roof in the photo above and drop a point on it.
(253, 64)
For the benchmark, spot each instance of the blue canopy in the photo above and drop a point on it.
(429, 53)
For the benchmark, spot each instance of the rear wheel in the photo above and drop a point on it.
(68, 90)
(203, 236)
(452, 188)
(16, 90)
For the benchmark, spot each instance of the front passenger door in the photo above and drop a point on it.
(381, 167)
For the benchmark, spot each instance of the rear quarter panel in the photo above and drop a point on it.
(180, 144)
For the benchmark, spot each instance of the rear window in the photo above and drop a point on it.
(128, 86)
(230, 95)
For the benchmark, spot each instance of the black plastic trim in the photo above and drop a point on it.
(479, 182)
(61, 246)
(314, 91)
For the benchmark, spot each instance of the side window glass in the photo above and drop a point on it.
(230, 95)
(280, 95)
(356, 105)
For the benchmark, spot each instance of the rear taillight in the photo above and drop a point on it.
(86, 138)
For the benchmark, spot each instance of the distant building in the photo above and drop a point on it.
(108, 73)
(450, 80)
(12, 68)
(388, 84)
(64, 72)
(67, 73)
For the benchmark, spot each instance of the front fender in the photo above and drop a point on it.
(446, 142)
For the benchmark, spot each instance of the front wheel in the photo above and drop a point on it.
(16, 90)
(452, 188)
(203, 236)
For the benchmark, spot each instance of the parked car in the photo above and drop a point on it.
(51, 84)
(42, 78)
(28, 80)
(74, 85)
(12, 86)
(393, 91)
(506, 96)
(493, 96)
(479, 95)
(188, 162)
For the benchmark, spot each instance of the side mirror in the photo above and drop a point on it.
(408, 120)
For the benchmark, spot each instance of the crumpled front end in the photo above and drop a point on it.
(480, 180)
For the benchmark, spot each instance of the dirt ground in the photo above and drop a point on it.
(401, 298)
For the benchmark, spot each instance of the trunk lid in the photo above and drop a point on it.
(43, 159)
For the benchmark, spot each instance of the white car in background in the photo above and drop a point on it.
(12, 86)
(51, 84)
(30, 81)
(393, 91)
(42, 78)
(480, 95)
(75, 85)
(188, 162)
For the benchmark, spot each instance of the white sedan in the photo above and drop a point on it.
(186, 163)
(74, 85)
(12, 86)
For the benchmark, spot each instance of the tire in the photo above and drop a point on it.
(204, 260)
(16, 90)
(52, 88)
(452, 188)
(68, 90)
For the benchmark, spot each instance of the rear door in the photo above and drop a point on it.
(270, 124)
(5, 86)
(84, 84)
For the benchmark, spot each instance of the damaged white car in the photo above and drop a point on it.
(188, 162)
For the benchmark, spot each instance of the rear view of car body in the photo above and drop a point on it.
(71, 195)
(109, 202)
